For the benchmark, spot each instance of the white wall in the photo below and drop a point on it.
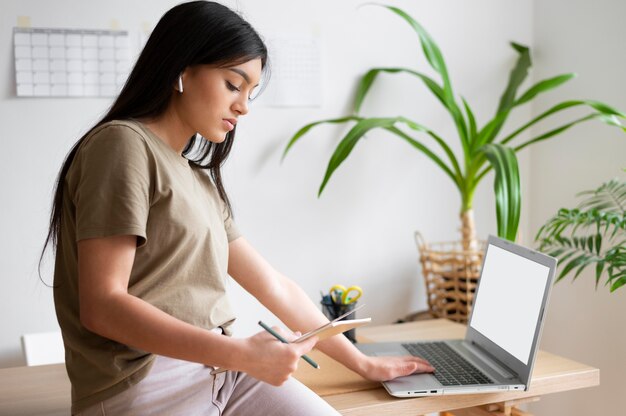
(360, 231)
(582, 323)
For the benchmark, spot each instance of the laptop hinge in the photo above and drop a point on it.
(495, 365)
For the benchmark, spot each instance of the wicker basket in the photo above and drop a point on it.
(451, 275)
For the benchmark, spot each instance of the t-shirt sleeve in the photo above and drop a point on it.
(232, 231)
(112, 185)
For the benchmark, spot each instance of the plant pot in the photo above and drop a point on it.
(451, 275)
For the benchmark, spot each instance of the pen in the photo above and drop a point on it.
(281, 339)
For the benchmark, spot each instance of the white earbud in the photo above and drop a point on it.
(180, 84)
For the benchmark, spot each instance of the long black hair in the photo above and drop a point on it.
(194, 33)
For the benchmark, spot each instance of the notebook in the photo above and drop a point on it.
(502, 336)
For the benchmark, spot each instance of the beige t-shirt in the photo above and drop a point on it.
(126, 181)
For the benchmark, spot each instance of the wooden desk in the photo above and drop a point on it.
(45, 390)
(551, 374)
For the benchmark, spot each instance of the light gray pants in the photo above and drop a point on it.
(176, 387)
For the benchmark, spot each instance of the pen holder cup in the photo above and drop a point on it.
(332, 310)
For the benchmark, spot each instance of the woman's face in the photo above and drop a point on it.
(213, 98)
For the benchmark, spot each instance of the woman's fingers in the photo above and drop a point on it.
(305, 346)
(273, 361)
(287, 335)
(388, 368)
(423, 366)
(405, 366)
(421, 360)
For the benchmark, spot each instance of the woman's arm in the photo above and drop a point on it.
(106, 308)
(271, 288)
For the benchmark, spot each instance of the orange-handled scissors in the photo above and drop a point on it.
(341, 294)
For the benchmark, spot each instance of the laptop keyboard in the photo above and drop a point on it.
(450, 368)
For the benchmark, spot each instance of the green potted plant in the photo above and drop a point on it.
(594, 233)
(486, 147)
(483, 147)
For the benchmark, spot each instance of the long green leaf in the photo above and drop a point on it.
(516, 77)
(543, 86)
(473, 130)
(491, 129)
(309, 126)
(442, 143)
(507, 100)
(582, 267)
(617, 266)
(455, 178)
(564, 258)
(599, 270)
(577, 261)
(554, 132)
(368, 79)
(435, 59)
(621, 281)
(596, 105)
(506, 187)
(345, 146)
(431, 50)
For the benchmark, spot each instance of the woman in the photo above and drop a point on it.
(145, 238)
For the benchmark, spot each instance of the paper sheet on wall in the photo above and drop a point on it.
(70, 62)
(296, 79)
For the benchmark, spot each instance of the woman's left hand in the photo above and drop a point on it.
(388, 368)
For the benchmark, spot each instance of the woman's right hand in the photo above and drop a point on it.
(270, 360)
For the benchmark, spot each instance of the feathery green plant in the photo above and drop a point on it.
(592, 234)
(483, 148)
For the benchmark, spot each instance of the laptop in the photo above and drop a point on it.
(503, 332)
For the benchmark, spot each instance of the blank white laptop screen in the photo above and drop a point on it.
(509, 300)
